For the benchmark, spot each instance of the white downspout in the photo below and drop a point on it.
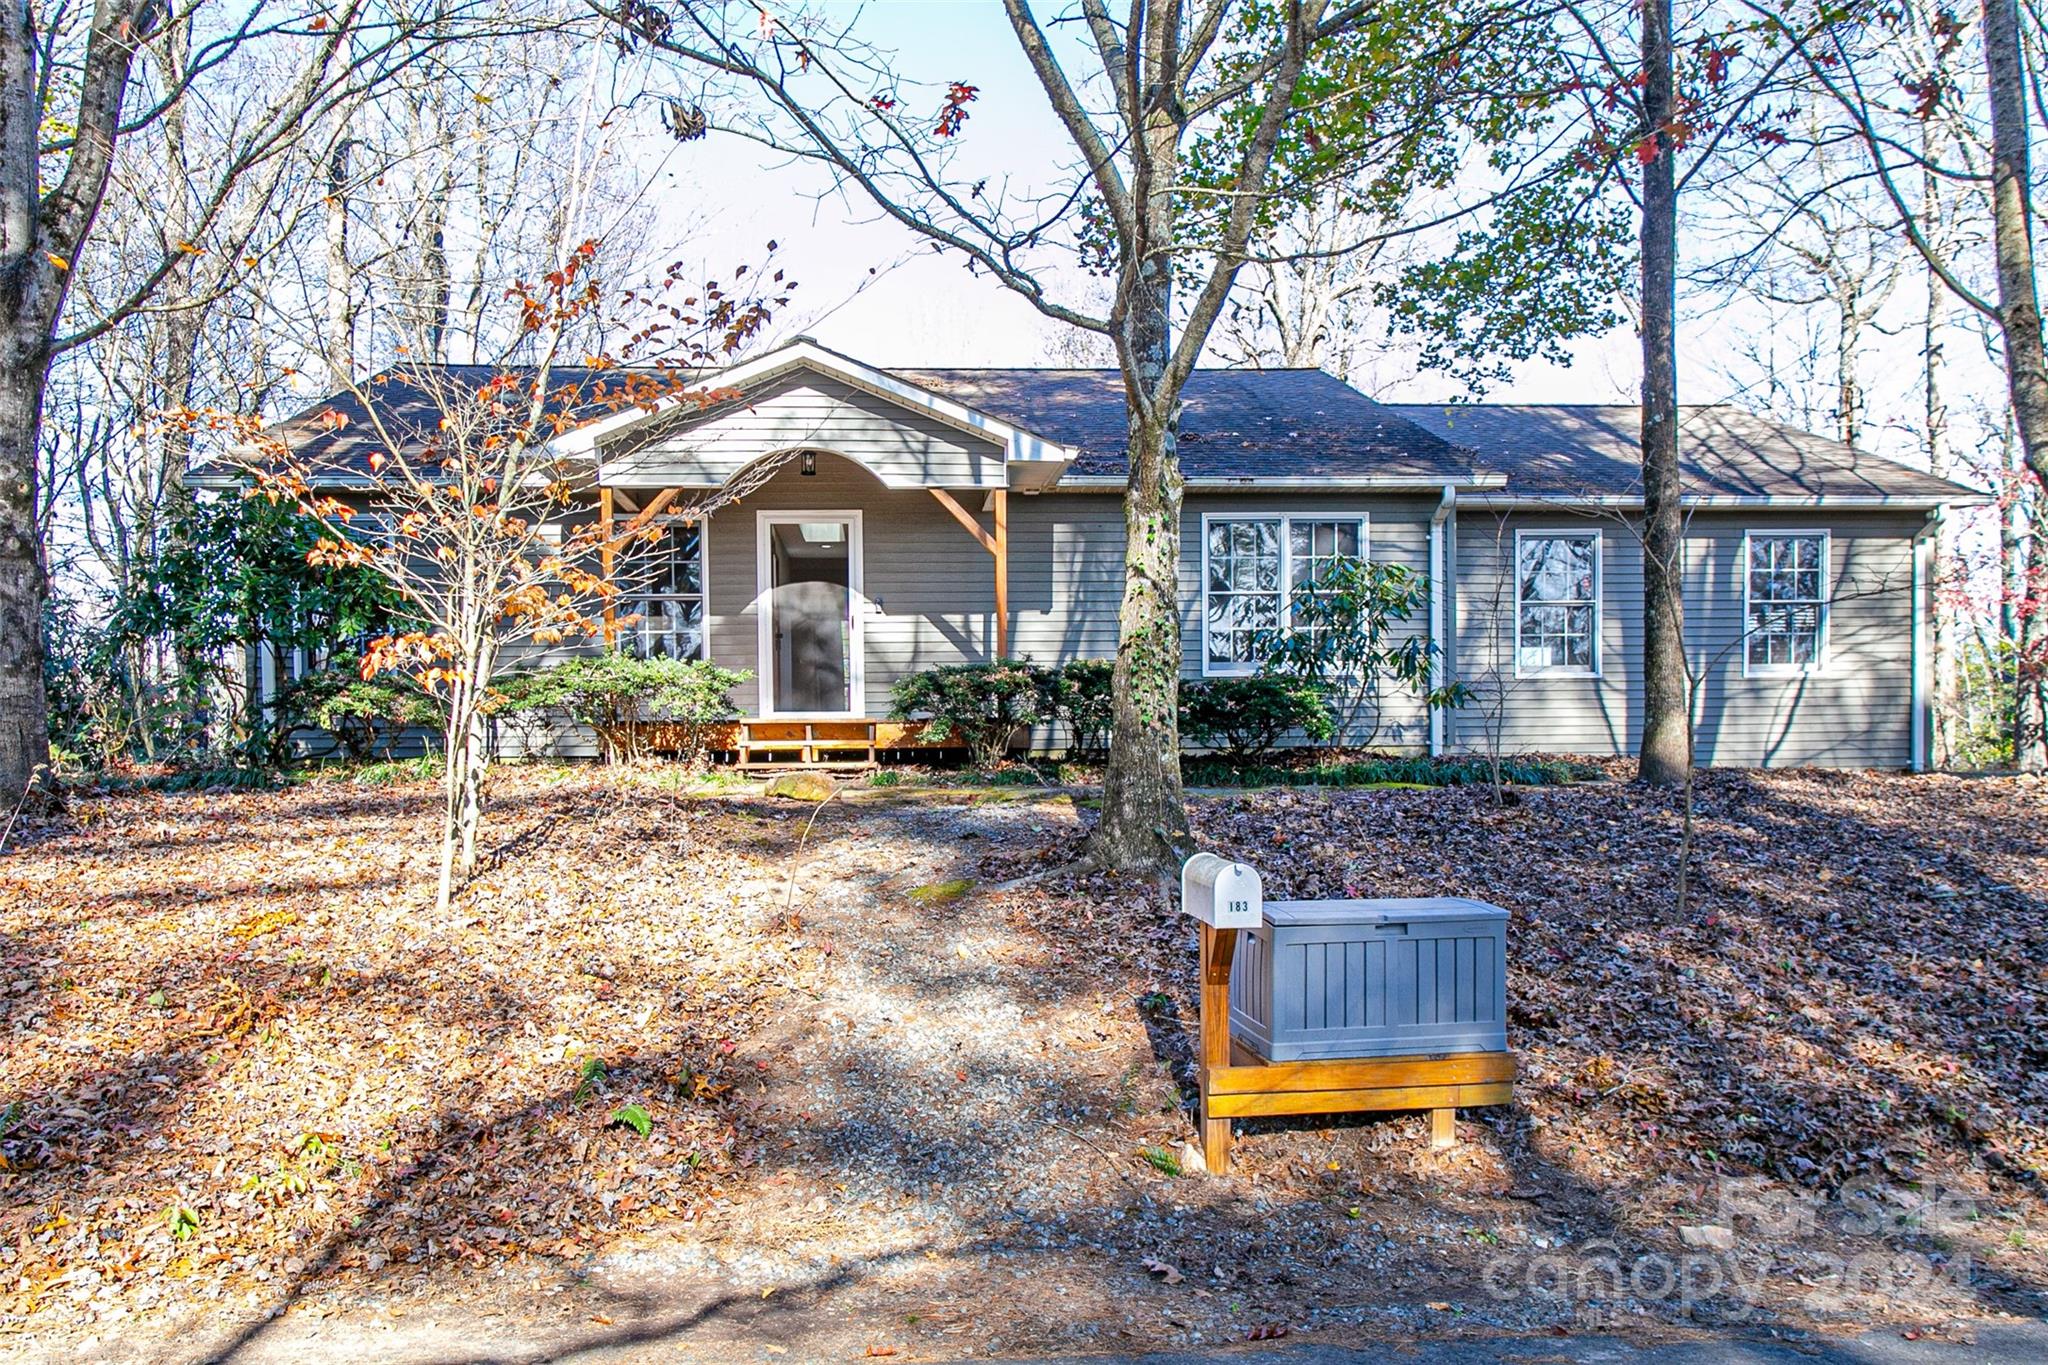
(1923, 581)
(1444, 507)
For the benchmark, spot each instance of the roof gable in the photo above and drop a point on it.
(1036, 460)
(802, 408)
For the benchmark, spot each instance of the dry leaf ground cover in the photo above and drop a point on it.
(697, 1077)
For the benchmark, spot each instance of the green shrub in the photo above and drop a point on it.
(1078, 695)
(1347, 634)
(357, 711)
(1244, 718)
(981, 705)
(398, 771)
(614, 693)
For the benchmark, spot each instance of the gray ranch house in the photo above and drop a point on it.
(940, 516)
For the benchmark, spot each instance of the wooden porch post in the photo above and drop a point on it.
(1001, 498)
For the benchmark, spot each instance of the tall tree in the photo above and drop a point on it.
(2012, 230)
(1666, 745)
(1130, 92)
(1905, 81)
(1689, 100)
(73, 91)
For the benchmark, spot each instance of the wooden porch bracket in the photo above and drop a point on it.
(998, 546)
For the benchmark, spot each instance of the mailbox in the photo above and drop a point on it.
(1221, 893)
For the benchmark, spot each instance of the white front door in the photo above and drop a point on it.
(810, 608)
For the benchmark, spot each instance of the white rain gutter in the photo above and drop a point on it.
(1383, 483)
(1924, 541)
(1859, 501)
(1446, 505)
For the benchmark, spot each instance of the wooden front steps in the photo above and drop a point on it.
(850, 744)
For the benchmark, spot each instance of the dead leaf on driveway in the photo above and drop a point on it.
(1166, 1273)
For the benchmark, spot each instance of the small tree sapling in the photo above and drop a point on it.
(1345, 635)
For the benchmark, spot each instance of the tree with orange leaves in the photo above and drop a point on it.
(473, 522)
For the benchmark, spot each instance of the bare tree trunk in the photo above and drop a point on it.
(2019, 324)
(1848, 395)
(434, 282)
(24, 587)
(181, 321)
(1666, 750)
(1144, 816)
(1935, 420)
(2019, 308)
(2030, 705)
(341, 305)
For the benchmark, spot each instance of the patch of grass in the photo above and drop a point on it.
(1010, 775)
(677, 778)
(425, 768)
(1162, 1161)
(1000, 796)
(886, 777)
(941, 893)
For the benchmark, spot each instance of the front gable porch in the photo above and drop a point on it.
(864, 535)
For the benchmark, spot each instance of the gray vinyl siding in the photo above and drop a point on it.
(929, 597)
(1855, 711)
(1549, 712)
(902, 448)
(1067, 575)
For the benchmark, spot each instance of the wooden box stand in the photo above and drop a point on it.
(1237, 1083)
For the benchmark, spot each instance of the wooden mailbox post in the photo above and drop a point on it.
(1226, 899)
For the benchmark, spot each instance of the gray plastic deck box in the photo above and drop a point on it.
(1372, 978)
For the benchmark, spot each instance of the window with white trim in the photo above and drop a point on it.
(1253, 567)
(1557, 602)
(1785, 608)
(669, 600)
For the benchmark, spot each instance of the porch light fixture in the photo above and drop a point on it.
(822, 532)
(808, 465)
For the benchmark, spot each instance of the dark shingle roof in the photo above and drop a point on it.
(1284, 424)
(1565, 450)
(1235, 424)
(335, 436)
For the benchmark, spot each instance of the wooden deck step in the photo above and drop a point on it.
(766, 744)
(835, 742)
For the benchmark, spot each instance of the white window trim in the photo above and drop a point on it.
(1599, 599)
(1246, 670)
(1827, 594)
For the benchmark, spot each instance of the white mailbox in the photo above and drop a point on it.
(1219, 892)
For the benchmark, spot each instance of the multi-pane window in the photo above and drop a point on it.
(1557, 602)
(669, 598)
(1252, 567)
(1786, 608)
